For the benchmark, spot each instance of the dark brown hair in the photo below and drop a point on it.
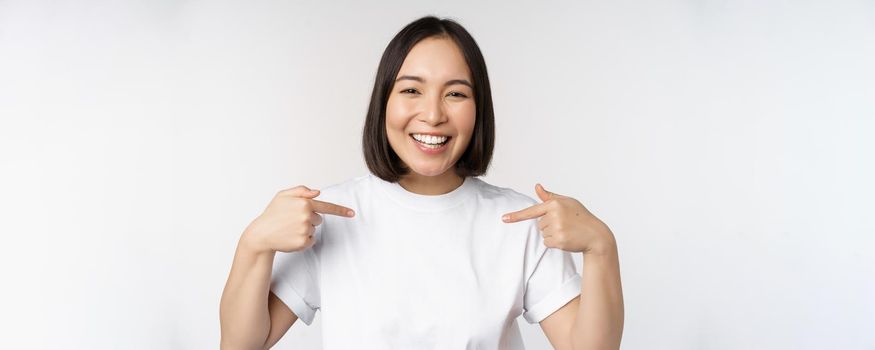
(381, 158)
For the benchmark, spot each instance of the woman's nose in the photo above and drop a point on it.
(433, 112)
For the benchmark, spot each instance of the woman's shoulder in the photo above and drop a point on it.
(349, 183)
(505, 196)
(344, 189)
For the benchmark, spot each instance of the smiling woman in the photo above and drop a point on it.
(415, 255)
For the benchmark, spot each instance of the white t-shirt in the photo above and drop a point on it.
(413, 271)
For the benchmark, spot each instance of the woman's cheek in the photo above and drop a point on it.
(468, 114)
(395, 113)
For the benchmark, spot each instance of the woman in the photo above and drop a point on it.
(424, 261)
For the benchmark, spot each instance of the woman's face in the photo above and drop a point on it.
(432, 95)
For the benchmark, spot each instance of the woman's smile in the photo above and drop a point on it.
(430, 144)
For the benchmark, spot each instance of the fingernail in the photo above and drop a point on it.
(505, 218)
(349, 213)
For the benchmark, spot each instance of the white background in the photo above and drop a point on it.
(728, 144)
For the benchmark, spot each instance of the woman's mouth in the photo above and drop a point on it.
(430, 144)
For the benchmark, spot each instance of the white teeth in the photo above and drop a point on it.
(429, 139)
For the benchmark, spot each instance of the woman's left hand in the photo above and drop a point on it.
(566, 224)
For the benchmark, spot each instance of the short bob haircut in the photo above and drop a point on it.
(381, 158)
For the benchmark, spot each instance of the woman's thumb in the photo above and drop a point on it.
(302, 191)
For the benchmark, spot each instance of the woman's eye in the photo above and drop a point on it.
(409, 91)
(457, 94)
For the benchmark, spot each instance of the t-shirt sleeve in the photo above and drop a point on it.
(295, 279)
(552, 278)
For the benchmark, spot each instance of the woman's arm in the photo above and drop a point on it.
(251, 316)
(598, 323)
(243, 313)
(594, 320)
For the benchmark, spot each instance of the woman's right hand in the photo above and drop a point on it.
(289, 221)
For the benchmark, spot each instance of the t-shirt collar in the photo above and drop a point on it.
(422, 202)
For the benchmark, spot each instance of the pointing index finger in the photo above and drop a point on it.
(525, 214)
(331, 208)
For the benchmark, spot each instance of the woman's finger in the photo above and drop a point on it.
(315, 219)
(331, 208)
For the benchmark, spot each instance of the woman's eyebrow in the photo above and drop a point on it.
(448, 83)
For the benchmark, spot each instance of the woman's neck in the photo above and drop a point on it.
(431, 185)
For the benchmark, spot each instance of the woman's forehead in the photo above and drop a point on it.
(436, 58)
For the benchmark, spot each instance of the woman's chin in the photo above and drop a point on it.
(428, 170)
